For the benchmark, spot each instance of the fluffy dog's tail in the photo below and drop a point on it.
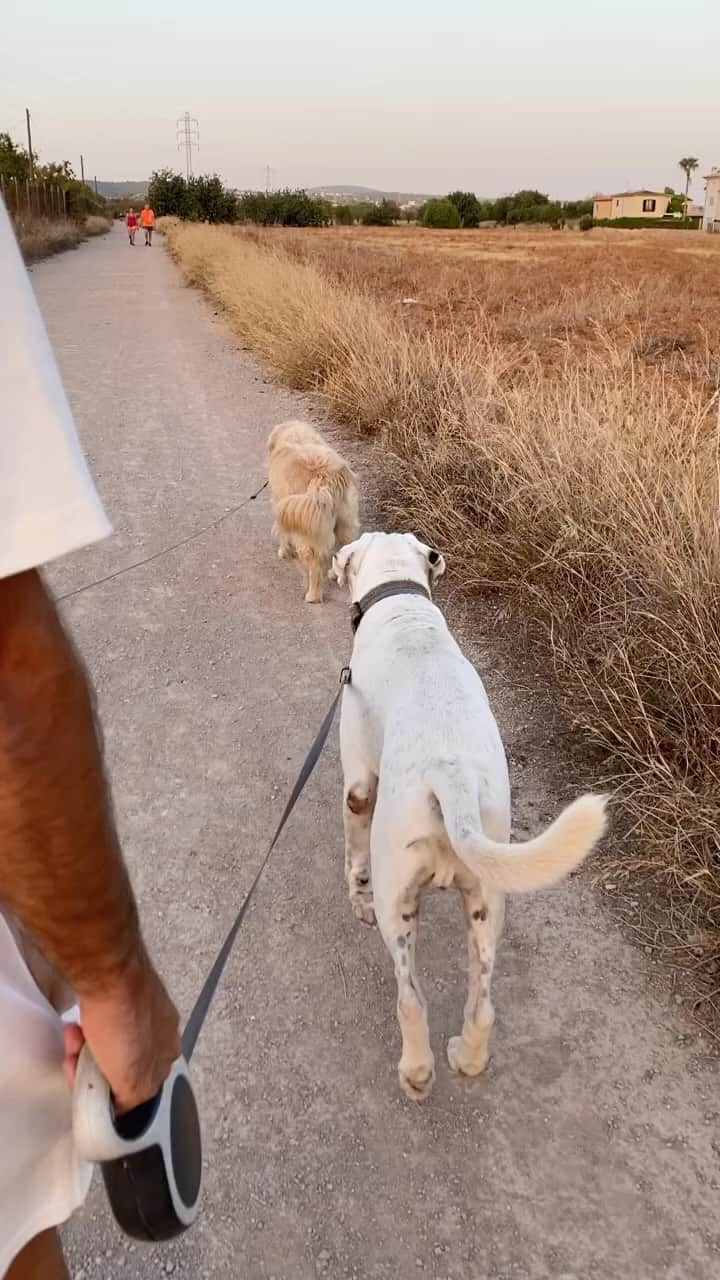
(308, 515)
(520, 867)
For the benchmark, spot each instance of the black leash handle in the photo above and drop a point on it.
(202, 1004)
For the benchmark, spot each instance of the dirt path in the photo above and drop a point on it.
(587, 1150)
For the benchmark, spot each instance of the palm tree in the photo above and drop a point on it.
(688, 165)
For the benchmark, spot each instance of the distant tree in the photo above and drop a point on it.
(409, 213)
(383, 214)
(441, 214)
(586, 222)
(468, 206)
(14, 160)
(487, 210)
(526, 199)
(688, 164)
(56, 172)
(209, 200)
(676, 200)
(501, 209)
(285, 208)
(168, 194)
(202, 199)
(577, 209)
(344, 215)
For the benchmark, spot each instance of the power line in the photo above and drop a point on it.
(188, 139)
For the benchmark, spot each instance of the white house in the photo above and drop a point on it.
(711, 211)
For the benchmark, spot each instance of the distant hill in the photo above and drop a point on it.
(348, 192)
(138, 188)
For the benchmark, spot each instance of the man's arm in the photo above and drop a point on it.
(61, 869)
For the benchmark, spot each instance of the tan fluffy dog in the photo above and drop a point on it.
(315, 500)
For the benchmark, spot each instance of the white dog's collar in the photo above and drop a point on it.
(401, 587)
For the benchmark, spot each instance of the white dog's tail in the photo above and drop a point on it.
(519, 867)
(309, 515)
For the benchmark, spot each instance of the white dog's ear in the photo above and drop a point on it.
(436, 563)
(340, 562)
(343, 561)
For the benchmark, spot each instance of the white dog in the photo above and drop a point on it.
(426, 791)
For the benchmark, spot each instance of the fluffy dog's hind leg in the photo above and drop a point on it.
(313, 567)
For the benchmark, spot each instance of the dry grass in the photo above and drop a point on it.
(96, 226)
(546, 435)
(41, 237)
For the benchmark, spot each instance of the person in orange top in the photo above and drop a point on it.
(147, 222)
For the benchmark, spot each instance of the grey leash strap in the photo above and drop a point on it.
(202, 1004)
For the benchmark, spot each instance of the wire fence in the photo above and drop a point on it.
(24, 197)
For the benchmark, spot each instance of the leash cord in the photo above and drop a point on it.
(165, 551)
(202, 1004)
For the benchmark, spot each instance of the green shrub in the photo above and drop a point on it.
(631, 224)
(586, 222)
(344, 215)
(468, 206)
(384, 214)
(440, 214)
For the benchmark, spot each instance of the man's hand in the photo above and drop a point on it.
(132, 1033)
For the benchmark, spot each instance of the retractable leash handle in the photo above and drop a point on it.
(151, 1157)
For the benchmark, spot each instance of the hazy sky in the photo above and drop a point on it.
(571, 96)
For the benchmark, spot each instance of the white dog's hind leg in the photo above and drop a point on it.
(358, 809)
(484, 910)
(397, 915)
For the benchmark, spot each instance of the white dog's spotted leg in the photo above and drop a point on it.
(468, 1053)
(357, 816)
(398, 924)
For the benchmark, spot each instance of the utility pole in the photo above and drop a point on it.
(30, 150)
(82, 170)
(267, 179)
(188, 139)
(96, 190)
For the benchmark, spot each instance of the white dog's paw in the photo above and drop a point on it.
(460, 1061)
(417, 1080)
(363, 909)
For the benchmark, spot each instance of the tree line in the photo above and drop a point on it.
(464, 209)
(206, 199)
(15, 163)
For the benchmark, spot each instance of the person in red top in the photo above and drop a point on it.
(131, 224)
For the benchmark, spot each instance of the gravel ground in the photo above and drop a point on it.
(589, 1148)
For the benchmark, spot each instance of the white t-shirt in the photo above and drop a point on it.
(48, 506)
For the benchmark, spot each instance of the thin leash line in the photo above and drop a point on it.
(200, 1009)
(165, 551)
